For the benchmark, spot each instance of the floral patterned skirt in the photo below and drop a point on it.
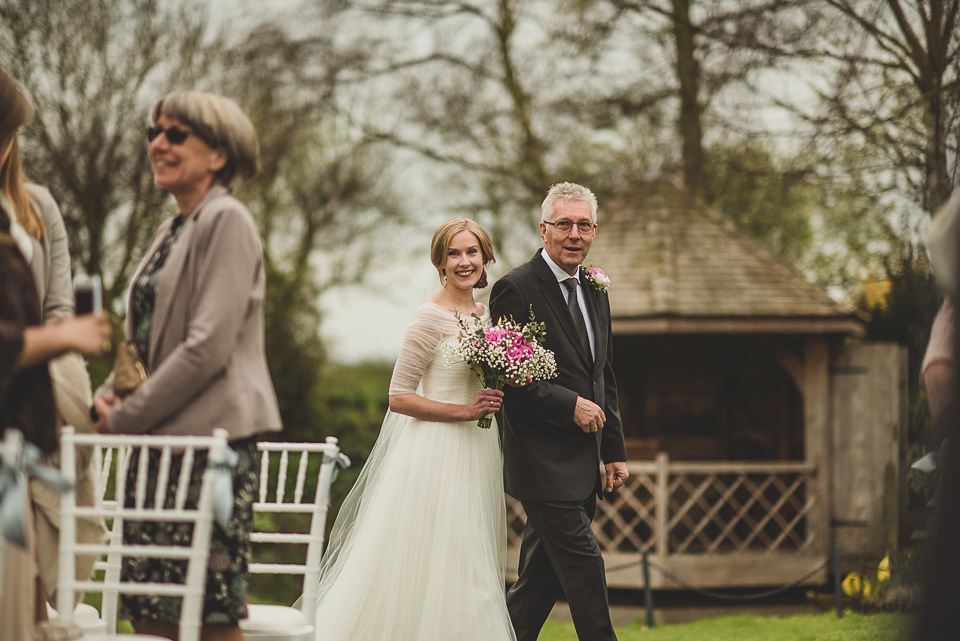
(225, 600)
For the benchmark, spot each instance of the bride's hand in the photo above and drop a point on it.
(489, 400)
(519, 383)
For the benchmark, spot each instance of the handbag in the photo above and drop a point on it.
(129, 370)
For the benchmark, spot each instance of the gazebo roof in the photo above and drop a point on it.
(678, 266)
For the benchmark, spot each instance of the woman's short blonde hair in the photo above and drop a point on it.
(444, 236)
(221, 123)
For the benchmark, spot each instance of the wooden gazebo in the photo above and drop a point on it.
(755, 421)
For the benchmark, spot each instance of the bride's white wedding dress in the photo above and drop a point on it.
(417, 552)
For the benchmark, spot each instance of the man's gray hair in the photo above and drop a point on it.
(567, 191)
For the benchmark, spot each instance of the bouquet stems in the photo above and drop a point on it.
(487, 420)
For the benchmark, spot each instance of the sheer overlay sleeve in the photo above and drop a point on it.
(419, 343)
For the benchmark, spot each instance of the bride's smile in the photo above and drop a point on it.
(464, 263)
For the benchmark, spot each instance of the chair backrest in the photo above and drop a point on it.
(305, 491)
(109, 458)
(115, 455)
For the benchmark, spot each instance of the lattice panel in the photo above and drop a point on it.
(732, 512)
(628, 522)
(707, 511)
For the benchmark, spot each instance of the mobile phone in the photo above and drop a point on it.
(88, 293)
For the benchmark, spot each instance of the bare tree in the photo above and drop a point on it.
(786, 83)
(468, 97)
(688, 59)
(884, 78)
(93, 68)
(894, 84)
(324, 197)
(324, 192)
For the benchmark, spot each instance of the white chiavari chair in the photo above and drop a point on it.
(295, 478)
(114, 454)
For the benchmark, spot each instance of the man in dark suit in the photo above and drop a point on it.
(558, 433)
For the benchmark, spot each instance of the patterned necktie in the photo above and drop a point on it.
(574, 307)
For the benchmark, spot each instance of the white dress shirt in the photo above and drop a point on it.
(581, 297)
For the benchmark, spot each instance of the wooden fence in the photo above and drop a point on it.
(709, 524)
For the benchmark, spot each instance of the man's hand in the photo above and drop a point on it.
(588, 415)
(616, 474)
(521, 383)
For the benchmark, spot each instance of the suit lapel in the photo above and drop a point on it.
(599, 320)
(171, 279)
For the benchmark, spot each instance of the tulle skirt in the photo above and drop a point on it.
(418, 549)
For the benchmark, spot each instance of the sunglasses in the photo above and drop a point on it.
(175, 135)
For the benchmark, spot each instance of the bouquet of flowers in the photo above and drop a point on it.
(502, 352)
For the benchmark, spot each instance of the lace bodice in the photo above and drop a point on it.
(421, 366)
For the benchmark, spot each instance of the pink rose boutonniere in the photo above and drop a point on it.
(598, 278)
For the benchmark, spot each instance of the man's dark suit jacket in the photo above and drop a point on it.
(547, 457)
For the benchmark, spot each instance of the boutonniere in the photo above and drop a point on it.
(597, 277)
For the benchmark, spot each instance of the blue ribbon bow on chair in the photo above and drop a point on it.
(343, 462)
(223, 487)
(18, 461)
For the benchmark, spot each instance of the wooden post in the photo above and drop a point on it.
(816, 414)
(663, 505)
(647, 592)
(837, 572)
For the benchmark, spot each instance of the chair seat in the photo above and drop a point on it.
(54, 631)
(85, 616)
(295, 480)
(124, 637)
(266, 622)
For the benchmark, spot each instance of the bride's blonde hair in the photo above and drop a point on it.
(444, 236)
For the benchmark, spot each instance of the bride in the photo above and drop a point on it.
(417, 552)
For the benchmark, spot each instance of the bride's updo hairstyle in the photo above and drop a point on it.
(444, 236)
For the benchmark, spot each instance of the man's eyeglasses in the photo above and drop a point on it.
(564, 226)
(174, 135)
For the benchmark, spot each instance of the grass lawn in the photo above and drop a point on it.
(744, 627)
(818, 627)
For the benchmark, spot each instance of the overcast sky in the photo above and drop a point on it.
(367, 323)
